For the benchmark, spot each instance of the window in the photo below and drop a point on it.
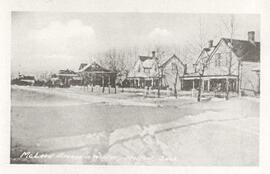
(139, 69)
(195, 68)
(174, 67)
(217, 59)
(147, 70)
(228, 58)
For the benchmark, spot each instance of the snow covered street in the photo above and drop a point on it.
(74, 127)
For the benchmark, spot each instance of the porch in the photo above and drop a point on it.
(141, 82)
(211, 83)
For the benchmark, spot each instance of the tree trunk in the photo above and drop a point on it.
(239, 79)
(227, 89)
(175, 85)
(175, 91)
(199, 90)
(103, 84)
(114, 85)
(158, 87)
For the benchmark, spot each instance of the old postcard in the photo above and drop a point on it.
(134, 86)
(126, 88)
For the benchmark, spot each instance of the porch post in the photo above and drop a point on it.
(202, 85)
(181, 81)
(109, 84)
(92, 83)
(208, 85)
(103, 84)
(227, 88)
(259, 85)
(114, 79)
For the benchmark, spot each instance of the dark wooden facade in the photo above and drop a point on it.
(93, 74)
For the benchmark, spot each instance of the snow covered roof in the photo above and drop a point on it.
(143, 58)
(82, 65)
(27, 77)
(93, 67)
(139, 69)
(244, 49)
(248, 51)
(148, 63)
(164, 62)
(67, 71)
(207, 51)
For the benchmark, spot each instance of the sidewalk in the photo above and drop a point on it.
(85, 96)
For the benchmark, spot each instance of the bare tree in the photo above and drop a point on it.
(116, 59)
(159, 53)
(203, 63)
(160, 75)
(202, 68)
(176, 80)
(230, 27)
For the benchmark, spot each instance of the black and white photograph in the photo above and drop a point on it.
(126, 88)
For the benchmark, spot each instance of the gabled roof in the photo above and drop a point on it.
(148, 63)
(143, 58)
(82, 65)
(67, 71)
(208, 51)
(93, 67)
(164, 63)
(28, 77)
(245, 49)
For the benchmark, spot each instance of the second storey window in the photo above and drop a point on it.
(228, 59)
(217, 59)
(174, 67)
(147, 70)
(139, 69)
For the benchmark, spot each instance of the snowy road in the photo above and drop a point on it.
(58, 121)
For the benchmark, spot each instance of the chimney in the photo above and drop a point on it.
(210, 43)
(251, 36)
(153, 54)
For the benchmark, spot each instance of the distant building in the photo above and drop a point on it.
(66, 77)
(237, 61)
(94, 74)
(23, 80)
(148, 69)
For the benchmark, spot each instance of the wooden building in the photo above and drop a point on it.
(94, 74)
(65, 77)
(230, 60)
(23, 80)
(148, 70)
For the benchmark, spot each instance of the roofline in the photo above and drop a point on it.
(173, 56)
(89, 64)
(217, 46)
(199, 56)
(230, 48)
(238, 39)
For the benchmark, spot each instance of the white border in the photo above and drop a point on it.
(163, 6)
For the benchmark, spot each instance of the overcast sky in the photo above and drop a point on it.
(52, 41)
